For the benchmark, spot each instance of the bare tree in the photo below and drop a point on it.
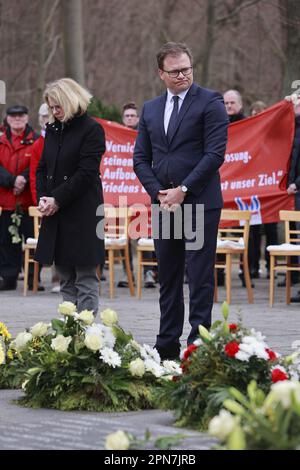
(73, 39)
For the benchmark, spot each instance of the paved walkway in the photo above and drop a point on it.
(22, 428)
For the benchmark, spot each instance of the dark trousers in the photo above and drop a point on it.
(171, 256)
(256, 231)
(11, 253)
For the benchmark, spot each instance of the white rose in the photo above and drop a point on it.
(109, 317)
(86, 316)
(67, 309)
(39, 329)
(61, 343)
(117, 441)
(137, 368)
(21, 341)
(222, 425)
(93, 341)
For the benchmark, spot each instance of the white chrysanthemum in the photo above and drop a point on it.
(86, 316)
(67, 308)
(21, 340)
(258, 336)
(137, 368)
(150, 353)
(109, 317)
(39, 329)
(242, 356)
(105, 332)
(110, 357)
(251, 346)
(222, 425)
(172, 367)
(61, 343)
(153, 367)
(117, 441)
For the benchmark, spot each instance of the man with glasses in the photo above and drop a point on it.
(15, 155)
(179, 150)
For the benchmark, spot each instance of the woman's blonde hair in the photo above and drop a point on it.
(69, 95)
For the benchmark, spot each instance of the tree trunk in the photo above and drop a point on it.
(290, 24)
(73, 39)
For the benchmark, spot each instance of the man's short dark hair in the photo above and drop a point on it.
(130, 105)
(173, 49)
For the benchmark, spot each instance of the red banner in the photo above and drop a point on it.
(257, 162)
(117, 175)
(253, 176)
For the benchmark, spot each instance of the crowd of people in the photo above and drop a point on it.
(58, 171)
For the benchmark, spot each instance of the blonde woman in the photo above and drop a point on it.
(69, 191)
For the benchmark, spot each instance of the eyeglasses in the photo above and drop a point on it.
(175, 73)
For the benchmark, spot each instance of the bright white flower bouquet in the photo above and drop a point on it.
(77, 363)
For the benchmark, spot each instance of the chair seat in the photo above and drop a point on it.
(31, 241)
(148, 242)
(284, 247)
(231, 244)
(115, 241)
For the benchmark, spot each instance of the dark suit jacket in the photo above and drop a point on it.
(196, 150)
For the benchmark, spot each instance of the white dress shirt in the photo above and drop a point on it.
(170, 104)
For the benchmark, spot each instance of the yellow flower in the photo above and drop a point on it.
(117, 441)
(2, 355)
(4, 331)
(10, 354)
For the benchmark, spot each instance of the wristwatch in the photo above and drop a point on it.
(184, 189)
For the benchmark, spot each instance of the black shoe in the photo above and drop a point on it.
(255, 275)
(103, 277)
(283, 283)
(296, 299)
(40, 288)
(8, 285)
(171, 354)
(242, 278)
(123, 283)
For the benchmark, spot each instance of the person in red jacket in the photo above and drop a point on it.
(15, 154)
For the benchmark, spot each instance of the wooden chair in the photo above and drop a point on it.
(233, 243)
(117, 244)
(144, 245)
(29, 250)
(286, 250)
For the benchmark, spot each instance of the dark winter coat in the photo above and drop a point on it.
(69, 172)
(294, 173)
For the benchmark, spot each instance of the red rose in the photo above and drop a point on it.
(233, 326)
(278, 375)
(232, 348)
(189, 350)
(272, 355)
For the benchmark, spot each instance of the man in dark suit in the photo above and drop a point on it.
(179, 150)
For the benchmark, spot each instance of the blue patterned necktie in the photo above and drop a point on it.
(173, 119)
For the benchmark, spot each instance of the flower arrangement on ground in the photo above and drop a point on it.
(5, 356)
(227, 356)
(256, 421)
(76, 363)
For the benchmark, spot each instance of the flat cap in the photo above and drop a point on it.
(16, 109)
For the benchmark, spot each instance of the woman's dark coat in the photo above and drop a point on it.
(69, 172)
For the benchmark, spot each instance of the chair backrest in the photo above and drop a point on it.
(235, 233)
(37, 218)
(116, 222)
(291, 235)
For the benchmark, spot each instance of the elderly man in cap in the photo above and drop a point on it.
(15, 154)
